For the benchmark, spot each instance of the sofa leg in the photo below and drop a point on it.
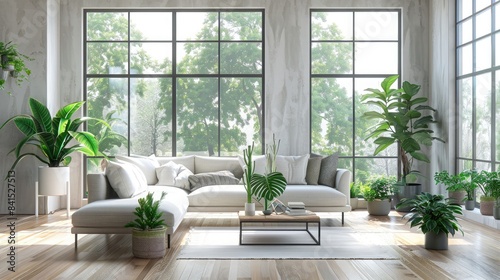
(76, 241)
(168, 241)
(342, 218)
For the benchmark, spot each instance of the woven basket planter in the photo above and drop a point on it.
(149, 244)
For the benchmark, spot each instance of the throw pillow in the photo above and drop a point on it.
(146, 164)
(313, 169)
(126, 179)
(173, 174)
(212, 178)
(259, 163)
(293, 168)
(328, 170)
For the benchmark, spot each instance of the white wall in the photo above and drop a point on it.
(286, 51)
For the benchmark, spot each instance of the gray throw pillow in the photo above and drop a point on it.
(212, 178)
(328, 170)
(313, 169)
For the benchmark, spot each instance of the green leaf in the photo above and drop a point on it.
(410, 89)
(41, 115)
(412, 114)
(381, 147)
(268, 186)
(67, 111)
(410, 145)
(88, 141)
(25, 124)
(373, 115)
(420, 156)
(418, 101)
(423, 122)
(423, 137)
(388, 82)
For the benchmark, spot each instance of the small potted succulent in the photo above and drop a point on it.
(435, 217)
(378, 194)
(148, 234)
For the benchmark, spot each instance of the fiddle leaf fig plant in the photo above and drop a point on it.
(401, 120)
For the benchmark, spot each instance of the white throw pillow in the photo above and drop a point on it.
(294, 168)
(173, 174)
(146, 164)
(259, 163)
(125, 178)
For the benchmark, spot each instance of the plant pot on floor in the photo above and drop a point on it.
(379, 207)
(149, 244)
(486, 206)
(53, 180)
(436, 241)
(408, 191)
(354, 203)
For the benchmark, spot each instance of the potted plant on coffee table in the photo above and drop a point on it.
(247, 180)
(402, 120)
(148, 234)
(52, 138)
(435, 217)
(378, 193)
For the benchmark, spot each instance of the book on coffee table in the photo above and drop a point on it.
(296, 205)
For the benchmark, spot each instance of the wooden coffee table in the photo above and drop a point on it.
(280, 219)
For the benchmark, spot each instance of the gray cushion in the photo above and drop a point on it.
(313, 169)
(328, 170)
(212, 178)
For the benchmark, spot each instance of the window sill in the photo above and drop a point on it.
(476, 216)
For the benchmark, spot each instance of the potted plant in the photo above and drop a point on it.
(456, 193)
(272, 184)
(148, 234)
(378, 194)
(435, 217)
(355, 190)
(401, 120)
(495, 192)
(13, 62)
(487, 182)
(52, 137)
(466, 181)
(247, 179)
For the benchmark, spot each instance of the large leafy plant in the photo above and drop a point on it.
(467, 180)
(432, 213)
(401, 120)
(148, 215)
(53, 136)
(379, 188)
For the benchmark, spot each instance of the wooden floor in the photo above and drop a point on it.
(44, 249)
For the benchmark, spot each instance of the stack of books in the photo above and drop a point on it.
(296, 209)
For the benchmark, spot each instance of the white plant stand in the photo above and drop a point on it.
(42, 195)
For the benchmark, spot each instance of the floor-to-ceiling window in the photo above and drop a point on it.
(351, 50)
(175, 82)
(478, 84)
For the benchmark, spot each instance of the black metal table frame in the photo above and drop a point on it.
(306, 229)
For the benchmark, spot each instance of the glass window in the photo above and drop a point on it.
(351, 50)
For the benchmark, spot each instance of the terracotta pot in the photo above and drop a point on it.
(457, 197)
(486, 206)
(149, 244)
(379, 207)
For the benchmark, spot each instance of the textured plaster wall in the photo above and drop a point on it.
(286, 51)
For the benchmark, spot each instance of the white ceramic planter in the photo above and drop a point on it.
(249, 209)
(53, 180)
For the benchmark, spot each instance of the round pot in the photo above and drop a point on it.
(436, 241)
(379, 207)
(496, 212)
(410, 190)
(250, 209)
(267, 212)
(149, 244)
(456, 197)
(470, 205)
(354, 203)
(486, 206)
(53, 180)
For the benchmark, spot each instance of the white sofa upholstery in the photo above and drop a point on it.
(107, 214)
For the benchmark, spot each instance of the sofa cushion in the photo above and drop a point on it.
(212, 178)
(328, 170)
(125, 178)
(313, 169)
(173, 174)
(146, 164)
(204, 164)
(187, 161)
(259, 163)
(293, 168)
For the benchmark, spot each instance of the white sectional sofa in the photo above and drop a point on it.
(107, 213)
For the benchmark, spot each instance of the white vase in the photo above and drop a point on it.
(249, 209)
(52, 180)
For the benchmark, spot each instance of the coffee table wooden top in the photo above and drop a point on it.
(259, 217)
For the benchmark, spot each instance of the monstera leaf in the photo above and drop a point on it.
(268, 186)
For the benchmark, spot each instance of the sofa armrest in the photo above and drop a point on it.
(99, 188)
(343, 179)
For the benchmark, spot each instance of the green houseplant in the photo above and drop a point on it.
(402, 120)
(354, 192)
(247, 179)
(435, 217)
(52, 139)
(378, 193)
(467, 181)
(487, 182)
(148, 234)
(13, 62)
(495, 192)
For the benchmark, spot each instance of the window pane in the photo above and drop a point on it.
(241, 115)
(464, 165)
(332, 116)
(376, 26)
(150, 26)
(107, 26)
(235, 26)
(465, 59)
(193, 26)
(483, 116)
(376, 58)
(465, 117)
(497, 116)
(481, 4)
(107, 58)
(197, 58)
(369, 167)
(241, 58)
(197, 116)
(332, 25)
(345, 163)
(497, 16)
(107, 99)
(483, 54)
(331, 58)
(483, 23)
(465, 32)
(151, 58)
(151, 117)
(497, 48)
